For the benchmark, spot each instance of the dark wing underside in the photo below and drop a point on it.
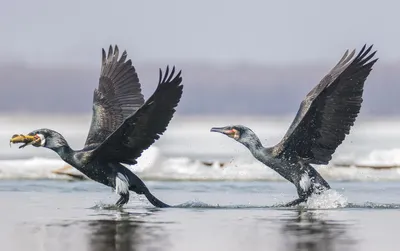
(143, 128)
(327, 113)
(118, 96)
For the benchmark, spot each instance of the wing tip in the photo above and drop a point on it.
(361, 60)
(168, 77)
(115, 65)
(110, 52)
(113, 54)
(366, 57)
(366, 51)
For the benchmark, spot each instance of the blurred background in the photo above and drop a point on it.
(243, 62)
(237, 57)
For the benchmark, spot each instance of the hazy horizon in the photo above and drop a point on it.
(208, 89)
(254, 57)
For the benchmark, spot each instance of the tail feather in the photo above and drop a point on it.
(154, 201)
(137, 185)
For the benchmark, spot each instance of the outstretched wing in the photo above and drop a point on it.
(143, 128)
(118, 96)
(327, 113)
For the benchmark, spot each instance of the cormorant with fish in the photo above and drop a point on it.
(324, 118)
(122, 126)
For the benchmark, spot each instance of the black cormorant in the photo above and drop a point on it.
(122, 126)
(321, 124)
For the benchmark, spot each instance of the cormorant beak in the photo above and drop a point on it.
(233, 133)
(34, 140)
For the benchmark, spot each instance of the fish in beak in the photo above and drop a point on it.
(34, 140)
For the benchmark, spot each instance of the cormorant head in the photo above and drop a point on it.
(240, 133)
(41, 137)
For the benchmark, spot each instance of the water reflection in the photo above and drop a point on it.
(306, 230)
(112, 234)
(120, 231)
(125, 233)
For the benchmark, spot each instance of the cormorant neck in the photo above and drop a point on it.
(66, 153)
(253, 143)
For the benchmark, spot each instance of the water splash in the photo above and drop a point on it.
(104, 206)
(331, 199)
(372, 205)
(194, 204)
(327, 200)
(200, 204)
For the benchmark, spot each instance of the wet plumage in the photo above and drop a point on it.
(123, 126)
(322, 122)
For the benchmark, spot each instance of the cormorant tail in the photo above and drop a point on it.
(154, 201)
(137, 185)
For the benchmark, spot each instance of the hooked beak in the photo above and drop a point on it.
(220, 130)
(34, 140)
(229, 132)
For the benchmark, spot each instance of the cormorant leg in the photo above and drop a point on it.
(136, 185)
(295, 202)
(127, 181)
(123, 199)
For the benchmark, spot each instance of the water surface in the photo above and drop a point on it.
(61, 215)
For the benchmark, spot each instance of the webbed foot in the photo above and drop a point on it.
(295, 202)
(122, 200)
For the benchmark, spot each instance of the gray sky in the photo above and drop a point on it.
(49, 32)
(261, 51)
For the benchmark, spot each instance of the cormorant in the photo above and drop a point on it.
(321, 124)
(122, 126)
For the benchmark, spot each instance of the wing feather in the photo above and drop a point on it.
(141, 129)
(329, 110)
(117, 96)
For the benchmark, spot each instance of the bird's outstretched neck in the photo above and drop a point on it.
(252, 142)
(66, 153)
